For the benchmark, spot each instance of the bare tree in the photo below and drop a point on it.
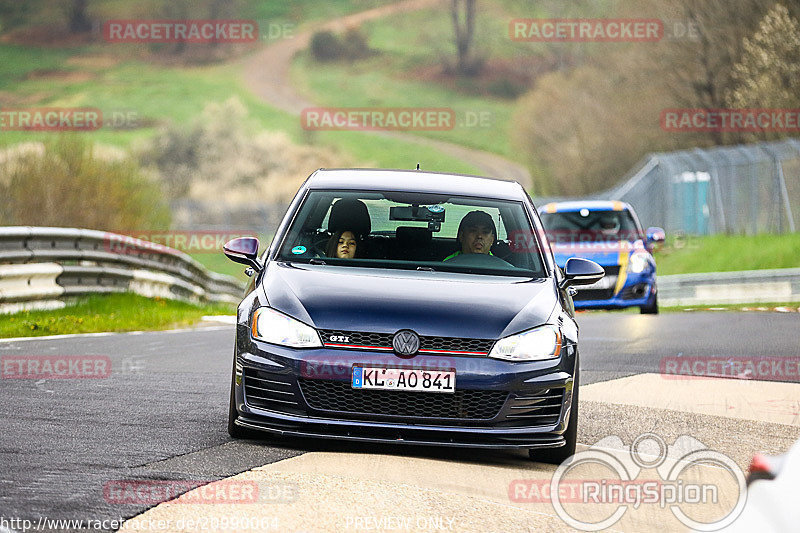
(700, 73)
(464, 27)
(79, 21)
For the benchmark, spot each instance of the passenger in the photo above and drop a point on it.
(476, 234)
(344, 245)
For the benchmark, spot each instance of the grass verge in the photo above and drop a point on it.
(113, 312)
(728, 253)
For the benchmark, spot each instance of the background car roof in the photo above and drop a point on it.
(415, 181)
(591, 205)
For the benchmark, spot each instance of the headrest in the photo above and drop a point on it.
(350, 214)
(409, 236)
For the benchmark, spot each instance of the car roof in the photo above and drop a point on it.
(591, 205)
(363, 179)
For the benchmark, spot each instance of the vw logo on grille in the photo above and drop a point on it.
(405, 343)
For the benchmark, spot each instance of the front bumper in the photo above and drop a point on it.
(272, 394)
(638, 290)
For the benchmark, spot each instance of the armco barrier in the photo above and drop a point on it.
(40, 266)
(750, 286)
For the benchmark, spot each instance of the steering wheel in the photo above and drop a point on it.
(479, 260)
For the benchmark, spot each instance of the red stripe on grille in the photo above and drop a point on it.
(453, 352)
(358, 347)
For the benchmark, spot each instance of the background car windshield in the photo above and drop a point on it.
(407, 230)
(586, 225)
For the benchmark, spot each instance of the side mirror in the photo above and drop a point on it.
(579, 271)
(655, 237)
(243, 250)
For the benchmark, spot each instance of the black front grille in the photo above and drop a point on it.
(384, 340)
(270, 390)
(356, 338)
(538, 408)
(329, 395)
(593, 294)
(454, 344)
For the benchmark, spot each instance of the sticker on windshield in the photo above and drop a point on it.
(297, 250)
(435, 208)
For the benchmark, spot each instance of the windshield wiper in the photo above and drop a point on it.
(426, 269)
(315, 261)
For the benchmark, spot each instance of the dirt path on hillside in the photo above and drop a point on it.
(266, 73)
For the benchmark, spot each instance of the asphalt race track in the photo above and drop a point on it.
(161, 413)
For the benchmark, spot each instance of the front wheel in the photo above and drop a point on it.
(556, 456)
(652, 308)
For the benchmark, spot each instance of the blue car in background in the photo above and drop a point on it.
(608, 233)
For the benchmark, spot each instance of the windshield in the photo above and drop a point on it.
(410, 231)
(590, 226)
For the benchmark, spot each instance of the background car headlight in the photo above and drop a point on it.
(274, 327)
(637, 263)
(533, 345)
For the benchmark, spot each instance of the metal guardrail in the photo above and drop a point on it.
(741, 189)
(39, 266)
(750, 286)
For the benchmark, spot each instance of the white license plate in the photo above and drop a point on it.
(606, 282)
(403, 379)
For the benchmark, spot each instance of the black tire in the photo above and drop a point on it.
(651, 309)
(556, 456)
(237, 432)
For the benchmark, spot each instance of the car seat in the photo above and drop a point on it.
(413, 244)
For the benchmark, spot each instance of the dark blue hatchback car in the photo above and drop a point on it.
(409, 307)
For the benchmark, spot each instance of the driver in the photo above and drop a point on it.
(609, 225)
(476, 234)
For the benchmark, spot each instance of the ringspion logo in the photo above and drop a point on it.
(703, 489)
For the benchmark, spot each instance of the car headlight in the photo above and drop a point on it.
(536, 344)
(637, 263)
(274, 327)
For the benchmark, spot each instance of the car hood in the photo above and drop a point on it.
(604, 253)
(434, 304)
